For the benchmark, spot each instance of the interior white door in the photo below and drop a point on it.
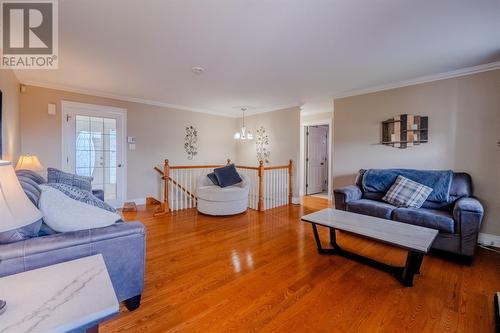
(317, 159)
(93, 145)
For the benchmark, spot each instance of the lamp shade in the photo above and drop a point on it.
(29, 162)
(16, 210)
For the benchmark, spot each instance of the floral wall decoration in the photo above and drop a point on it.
(261, 143)
(191, 142)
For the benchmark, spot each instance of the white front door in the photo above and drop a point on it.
(93, 145)
(316, 159)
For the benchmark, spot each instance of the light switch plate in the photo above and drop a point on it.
(131, 146)
(51, 109)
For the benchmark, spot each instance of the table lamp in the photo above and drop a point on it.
(29, 162)
(16, 210)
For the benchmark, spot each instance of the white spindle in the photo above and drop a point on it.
(266, 180)
(172, 190)
(283, 186)
(177, 190)
(190, 189)
(273, 191)
(279, 186)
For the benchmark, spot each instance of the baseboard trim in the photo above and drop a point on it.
(489, 239)
(138, 201)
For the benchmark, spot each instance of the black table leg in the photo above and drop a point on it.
(403, 274)
(321, 250)
(419, 263)
(413, 261)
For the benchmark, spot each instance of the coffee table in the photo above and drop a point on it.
(71, 296)
(416, 240)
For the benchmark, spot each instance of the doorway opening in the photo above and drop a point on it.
(317, 147)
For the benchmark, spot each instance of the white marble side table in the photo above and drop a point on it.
(73, 296)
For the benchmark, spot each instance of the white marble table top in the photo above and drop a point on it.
(403, 235)
(58, 298)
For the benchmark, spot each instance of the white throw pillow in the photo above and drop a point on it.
(64, 214)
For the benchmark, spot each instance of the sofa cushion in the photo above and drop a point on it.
(380, 180)
(30, 188)
(22, 233)
(63, 214)
(58, 176)
(213, 178)
(216, 193)
(430, 218)
(407, 193)
(227, 176)
(32, 175)
(83, 196)
(371, 207)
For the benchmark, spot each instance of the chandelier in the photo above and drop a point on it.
(244, 133)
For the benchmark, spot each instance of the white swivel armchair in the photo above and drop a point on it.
(216, 200)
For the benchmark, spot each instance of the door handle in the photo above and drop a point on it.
(119, 165)
(322, 163)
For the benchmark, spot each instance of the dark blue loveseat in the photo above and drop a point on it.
(457, 218)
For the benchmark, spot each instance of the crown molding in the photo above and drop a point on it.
(123, 98)
(423, 79)
(130, 99)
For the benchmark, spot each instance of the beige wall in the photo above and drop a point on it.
(308, 118)
(11, 137)
(159, 134)
(282, 127)
(464, 127)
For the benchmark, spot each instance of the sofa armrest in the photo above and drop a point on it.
(346, 194)
(121, 244)
(468, 204)
(468, 214)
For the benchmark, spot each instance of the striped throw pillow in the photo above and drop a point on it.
(407, 193)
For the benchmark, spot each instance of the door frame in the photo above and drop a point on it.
(98, 110)
(306, 157)
(303, 155)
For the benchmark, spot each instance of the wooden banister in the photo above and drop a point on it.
(164, 208)
(196, 166)
(273, 193)
(247, 167)
(277, 167)
(182, 188)
(290, 169)
(260, 205)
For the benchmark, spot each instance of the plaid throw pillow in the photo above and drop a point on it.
(407, 193)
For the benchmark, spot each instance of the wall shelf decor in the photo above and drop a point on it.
(405, 130)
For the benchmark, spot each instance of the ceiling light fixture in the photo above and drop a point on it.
(197, 70)
(243, 134)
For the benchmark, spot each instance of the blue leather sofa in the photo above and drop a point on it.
(458, 220)
(122, 245)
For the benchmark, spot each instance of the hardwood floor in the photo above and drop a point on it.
(260, 272)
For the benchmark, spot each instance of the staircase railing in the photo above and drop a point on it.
(270, 186)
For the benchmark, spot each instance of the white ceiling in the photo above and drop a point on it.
(267, 54)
